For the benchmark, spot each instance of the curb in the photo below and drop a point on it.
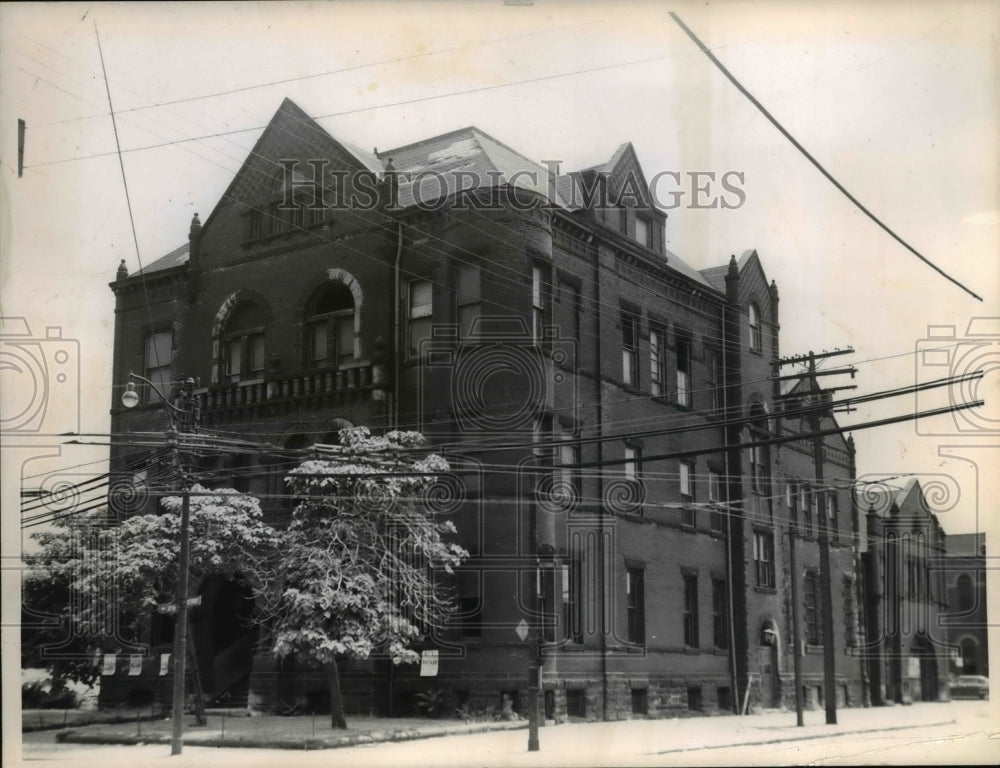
(761, 743)
(72, 736)
(117, 720)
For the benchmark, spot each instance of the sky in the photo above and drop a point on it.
(898, 100)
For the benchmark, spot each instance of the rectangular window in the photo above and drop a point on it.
(630, 348)
(716, 520)
(344, 328)
(690, 610)
(569, 454)
(713, 379)
(684, 371)
(792, 502)
(234, 358)
(643, 232)
(255, 343)
(758, 465)
(570, 299)
(657, 362)
(810, 596)
(635, 606)
(537, 304)
(468, 301)
(421, 305)
(159, 354)
(763, 556)
(832, 516)
(631, 466)
(806, 502)
(687, 493)
(572, 594)
(720, 614)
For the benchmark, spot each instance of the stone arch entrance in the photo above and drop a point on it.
(769, 657)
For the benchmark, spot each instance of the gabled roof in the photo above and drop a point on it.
(463, 159)
(175, 258)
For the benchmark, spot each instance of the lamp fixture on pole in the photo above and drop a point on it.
(130, 399)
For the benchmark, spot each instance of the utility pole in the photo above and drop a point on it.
(826, 586)
(189, 413)
(796, 629)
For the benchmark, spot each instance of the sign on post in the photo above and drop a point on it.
(164, 663)
(429, 663)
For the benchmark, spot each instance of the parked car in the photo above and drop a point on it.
(970, 687)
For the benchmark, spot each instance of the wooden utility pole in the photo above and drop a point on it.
(826, 585)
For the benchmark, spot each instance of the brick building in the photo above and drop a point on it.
(907, 650)
(593, 388)
(965, 580)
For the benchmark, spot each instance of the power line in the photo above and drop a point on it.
(813, 160)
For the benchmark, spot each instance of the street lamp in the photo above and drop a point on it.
(130, 399)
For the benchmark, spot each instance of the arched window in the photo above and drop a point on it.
(756, 340)
(243, 347)
(330, 326)
(966, 598)
(967, 652)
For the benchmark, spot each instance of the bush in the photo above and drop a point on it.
(431, 702)
(42, 695)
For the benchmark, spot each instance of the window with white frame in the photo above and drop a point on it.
(468, 301)
(756, 336)
(643, 232)
(716, 520)
(684, 370)
(657, 362)
(419, 314)
(330, 326)
(631, 466)
(243, 348)
(686, 478)
(763, 556)
(630, 348)
(158, 356)
(537, 304)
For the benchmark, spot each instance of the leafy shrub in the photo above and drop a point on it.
(42, 695)
(430, 702)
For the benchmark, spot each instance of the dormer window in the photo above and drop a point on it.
(643, 232)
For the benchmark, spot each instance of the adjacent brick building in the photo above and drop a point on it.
(907, 650)
(594, 389)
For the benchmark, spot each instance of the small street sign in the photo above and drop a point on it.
(522, 630)
(193, 601)
(166, 608)
(164, 663)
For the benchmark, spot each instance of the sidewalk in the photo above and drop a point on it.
(649, 736)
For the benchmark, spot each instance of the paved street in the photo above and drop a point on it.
(941, 734)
